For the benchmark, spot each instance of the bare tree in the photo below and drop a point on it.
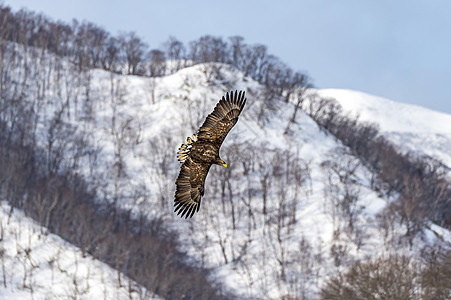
(157, 65)
(237, 48)
(133, 49)
(383, 278)
(175, 52)
(110, 57)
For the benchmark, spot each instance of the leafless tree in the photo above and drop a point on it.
(110, 57)
(175, 52)
(133, 48)
(236, 46)
(383, 278)
(208, 49)
(157, 65)
(2, 255)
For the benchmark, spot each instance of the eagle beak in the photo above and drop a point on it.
(221, 163)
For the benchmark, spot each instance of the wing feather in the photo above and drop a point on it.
(190, 187)
(225, 115)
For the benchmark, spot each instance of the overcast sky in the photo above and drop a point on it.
(398, 49)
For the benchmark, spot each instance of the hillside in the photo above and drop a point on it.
(314, 203)
(39, 265)
(280, 196)
(414, 128)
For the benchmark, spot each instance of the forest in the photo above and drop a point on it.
(54, 171)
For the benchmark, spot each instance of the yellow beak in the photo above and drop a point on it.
(221, 163)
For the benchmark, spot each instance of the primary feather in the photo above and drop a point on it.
(202, 150)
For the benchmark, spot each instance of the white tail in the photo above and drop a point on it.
(184, 149)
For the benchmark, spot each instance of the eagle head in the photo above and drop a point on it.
(220, 162)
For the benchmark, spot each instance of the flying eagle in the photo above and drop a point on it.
(202, 150)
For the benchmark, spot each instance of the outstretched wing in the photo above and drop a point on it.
(225, 115)
(190, 187)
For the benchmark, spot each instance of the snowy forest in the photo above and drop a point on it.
(316, 203)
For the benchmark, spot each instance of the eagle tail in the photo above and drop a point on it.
(184, 149)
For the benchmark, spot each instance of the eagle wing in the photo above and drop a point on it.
(190, 187)
(225, 115)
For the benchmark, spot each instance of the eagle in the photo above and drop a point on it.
(202, 150)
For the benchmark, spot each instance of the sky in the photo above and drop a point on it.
(399, 49)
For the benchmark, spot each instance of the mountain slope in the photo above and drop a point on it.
(90, 154)
(291, 210)
(414, 128)
(40, 265)
(281, 195)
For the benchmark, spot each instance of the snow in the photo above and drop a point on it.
(40, 265)
(412, 127)
(143, 121)
(181, 102)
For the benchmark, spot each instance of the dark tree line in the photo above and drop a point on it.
(90, 46)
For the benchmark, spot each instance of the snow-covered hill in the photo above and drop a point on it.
(291, 209)
(38, 265)
(414, 128)
(271, 224)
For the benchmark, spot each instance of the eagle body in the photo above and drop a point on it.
(202, 151)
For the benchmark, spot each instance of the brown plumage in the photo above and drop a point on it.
(202, 150)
